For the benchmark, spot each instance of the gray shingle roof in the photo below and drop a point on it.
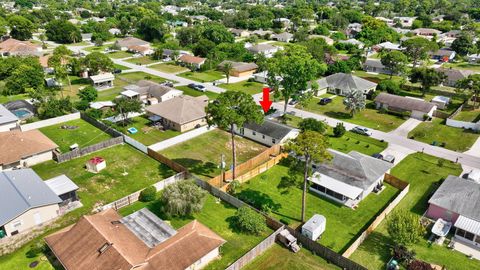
(270, 128)
(354, 168)
(346, 82)
(404, 103)
(6, 116)
(458, 195)
(21, 190)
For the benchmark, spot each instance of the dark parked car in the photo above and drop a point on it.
(378, 156)
(361, 131)
(325, 101)
(168, 83)
(197, 87)
(117, 71)
(293, 102)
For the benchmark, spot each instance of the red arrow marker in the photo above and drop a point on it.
(266, 102)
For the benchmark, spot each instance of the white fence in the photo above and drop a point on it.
(180, 138)
(135, 144)
(463, 124)
(50, 122)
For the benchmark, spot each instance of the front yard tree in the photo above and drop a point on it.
(232, 109)
(59, 61)
(227, 68)
(463, 45)
(88, 94)
(124, 106)
(97, 61)
(427, 77)
(404, 227)
(417, 49)
(313, 125)
(296, 67)
(182, 199)
(354, 102)
(312, 147)
(21, 27)
(395, 62)
(470, 86)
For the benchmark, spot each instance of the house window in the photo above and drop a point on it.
(263, 137)
(477, 239)
(254, 133)
(274, 141)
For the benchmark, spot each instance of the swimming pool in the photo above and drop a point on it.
(23, 113)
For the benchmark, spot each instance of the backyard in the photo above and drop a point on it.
(201, 155)
(169, 68)
(436, 132)
(217, 216)
(143, 60)
(194, 93)
(75, 131)
(250, 88)
(5, 99)
(424, 173)
(343, 223)
(203, 76)
(369, 117)
(120, 54)
(146, 134)
(468, 114)
(462, 65)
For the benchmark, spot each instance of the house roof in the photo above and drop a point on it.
(101, 104)
(131, 41)
(373, 63)
(181, 110)
(186, 58)
(6, 116)
(404, 103)
(455, 74)
(104, 77)
(61, 184)
(78, 247)
(138, 48)
(17, 47)
(21, 190)
(389, 46)
(425, 31)
(155, 89)
(239, 66)
(458, 195)
(270, 128)
(15, 145)
(345, 82)
(259, 48)
(443, 52)
(354, 169)
(284, 35)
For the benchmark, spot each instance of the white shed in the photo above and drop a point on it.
(314, 227)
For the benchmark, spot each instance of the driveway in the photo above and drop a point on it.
(406, 127)
(399, 152)
(475, 149)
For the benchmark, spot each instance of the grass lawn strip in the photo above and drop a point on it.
(169, 68)
(144, 60)
(202, 154)
(424, 175)
(250, 88)
(119, 54)
(343, 223)
(217, 216)
(194, 93)
(203, 76)
(84, 135)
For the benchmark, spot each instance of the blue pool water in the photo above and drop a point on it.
(22, 113)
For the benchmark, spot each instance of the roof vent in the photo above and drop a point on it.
(116, 222)
(104, 248)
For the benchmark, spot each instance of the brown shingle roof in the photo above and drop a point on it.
(181, 110)
(404, 103)
(131, 41)
(15, 145)
(191, 59)
(239, 66)
(17, 47)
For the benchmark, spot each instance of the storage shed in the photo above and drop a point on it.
(64, 188)
(96, 164)
(314, 227)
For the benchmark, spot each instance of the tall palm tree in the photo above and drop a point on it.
(354, 102)
(227, 68)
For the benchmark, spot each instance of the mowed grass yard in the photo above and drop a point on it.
(343, 223)
(194, 93)
(119, 54)
(279, 257)
(146, 134)
(424, 175)
(369, 117)
(202, 154)
(468, 114)
(143, 60)
(218, 217)
(456, 139)
(203, 76)
(250, 88)
(169, 68)
(84, 134)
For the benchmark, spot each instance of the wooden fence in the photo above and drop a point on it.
(163, 159)
(86, 150)
(103, 127)
(398, 183)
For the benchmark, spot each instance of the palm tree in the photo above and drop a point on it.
(354, 102)
(227, 68)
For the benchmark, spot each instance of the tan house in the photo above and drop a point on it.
(194, 61)
(14, 47)
(240, 69)
(124, 43)
(139, 241)
(26, 202)
(181, 113)
(417, 108)
(24, 149)
(149, 92)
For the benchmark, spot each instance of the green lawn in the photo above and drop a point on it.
(134, 77)
(203, 76)
(84, 135)
(144, 60)
(120, 54)
(202, 154)
(463, 65)
(109, 94)
(77, 83)
(250, 88)
(194, 93)
(468, 114)
(117, 66)
(376, 78)
(146, 134)
(108, 185)
(169, 68)
(343, 223)
(218, 217)
(5, 99)
(98, 48)
(369, 117)
(423, 174)
(456, 139)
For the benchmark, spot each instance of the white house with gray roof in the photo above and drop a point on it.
(25, 202)
(268, 133)
(8, 120)
(341, 84)
(349, 178)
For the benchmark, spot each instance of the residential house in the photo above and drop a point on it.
(342, 84)
(349, 178)
(240, 32)
(417, 108)
(150, 93)
(474, 58)
(406, 22)
(262, 77)
(139, 241)
(190, 60)
(443, 55)
(452, 76)
(426, 32)
(262, 33)
(240, 69)
(64, 188)
(87, 37)
(268, 133)
(265, 49)
(385, 20)
(14, 47)
(375, 66)
(353, 41)
(328, 40)
(130, 43)
(142, 50)
(24, 149)
(283, 37)
(26, 201)
(447, 41)
(282, 22)
(169, 54)
(8, 120)
(181, 113)
(102, 105)
(452, 34)
(103, 80)
(353, 29)
(388, 46)
(457, 201)
(115, 31)
(441, 101)
(198, 19)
